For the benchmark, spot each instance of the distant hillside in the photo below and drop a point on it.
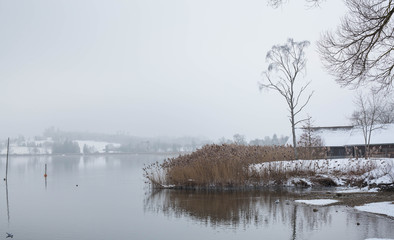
(55, 141)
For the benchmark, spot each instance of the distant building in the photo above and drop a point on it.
(345, 141)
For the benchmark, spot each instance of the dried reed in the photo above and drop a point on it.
(215, 166)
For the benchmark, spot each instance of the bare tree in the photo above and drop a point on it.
(277, 3)
(239, 139)
(310, 142)
(309, 138)
(286, 63)
(361, 50)
(371, 114)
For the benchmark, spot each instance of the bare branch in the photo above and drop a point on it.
(361, 50)
(302, 107)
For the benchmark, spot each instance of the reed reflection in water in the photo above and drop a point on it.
(260, 209)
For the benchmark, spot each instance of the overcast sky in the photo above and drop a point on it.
(155, 67)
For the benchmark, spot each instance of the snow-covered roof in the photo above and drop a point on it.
(349, 135)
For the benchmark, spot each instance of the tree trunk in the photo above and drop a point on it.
(368, 143)
(294, 136)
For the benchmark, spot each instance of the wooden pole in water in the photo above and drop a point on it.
(6, 165)
(45, 174)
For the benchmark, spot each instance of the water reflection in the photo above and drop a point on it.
(112, 203)
(294, 223)
(228, 208)
(260, 209)
(8, 202)
(75, 163)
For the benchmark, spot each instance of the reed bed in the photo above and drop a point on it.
(215, 166)
(232, 166)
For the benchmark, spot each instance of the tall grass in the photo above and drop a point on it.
(216, 166)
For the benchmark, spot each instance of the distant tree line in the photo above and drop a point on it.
(65, 147)
(266, 141)
(62, 142)
(269, 141)
(128, 143)
(59, 135)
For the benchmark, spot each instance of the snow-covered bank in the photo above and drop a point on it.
(319, 202)
(379, 239)
(23, 150)
(339, 172)
(356, 190)
(385, 208)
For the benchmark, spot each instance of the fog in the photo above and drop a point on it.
(157, 68)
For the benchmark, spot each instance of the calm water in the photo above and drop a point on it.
(112, 202)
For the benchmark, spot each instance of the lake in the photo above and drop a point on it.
(105, 197)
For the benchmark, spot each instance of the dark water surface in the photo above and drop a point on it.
(111, 201)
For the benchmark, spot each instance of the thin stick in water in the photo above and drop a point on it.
(6, 166)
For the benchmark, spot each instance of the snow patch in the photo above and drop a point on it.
(299, 182)
(385, 208)
(319, 202)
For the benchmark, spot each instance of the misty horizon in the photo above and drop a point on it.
(149, 68)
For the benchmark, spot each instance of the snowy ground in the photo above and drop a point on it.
(26, 150)
(371, 171)
(356, 189)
